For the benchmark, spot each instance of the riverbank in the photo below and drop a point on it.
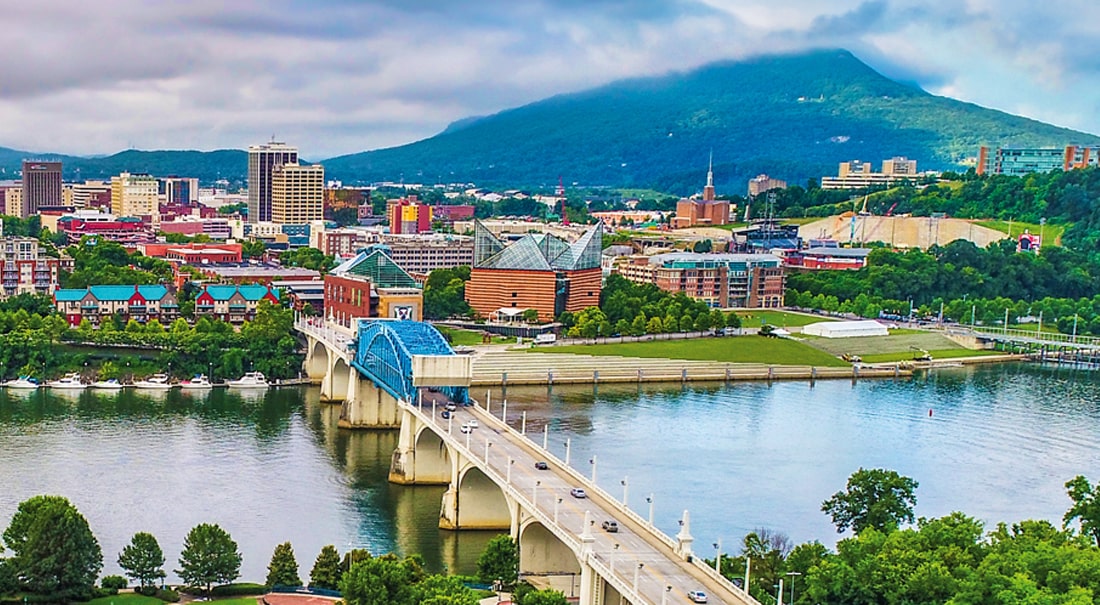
(515, 367)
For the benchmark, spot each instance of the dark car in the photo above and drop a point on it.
(446, 413)
(540, 465)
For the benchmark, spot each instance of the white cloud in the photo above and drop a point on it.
(342, 76)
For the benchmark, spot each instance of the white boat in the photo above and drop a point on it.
(23, 382)
(109, 384)
(199, 381)
(251, 380)
(156, 382)
(70, 381)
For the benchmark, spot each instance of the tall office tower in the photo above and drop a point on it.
(41, 185)
(297, 194)
(262, 159)
(134, 195)
(177, 191)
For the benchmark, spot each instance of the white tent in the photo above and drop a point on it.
(845, 329)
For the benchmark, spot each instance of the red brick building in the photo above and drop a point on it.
(408, 215)
(194, 254)
(371, 285)
(539, 271)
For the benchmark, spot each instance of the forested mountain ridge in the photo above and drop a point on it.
(791, 116)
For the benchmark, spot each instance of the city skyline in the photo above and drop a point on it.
(339, 77)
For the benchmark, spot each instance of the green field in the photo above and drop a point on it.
(470, 338)
(1052, 234)
(737, 349)
(129, 598)
(779, 319)
(907, 343)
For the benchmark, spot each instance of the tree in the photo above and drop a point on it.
(1086, 507)
(546, 596)
(384, 580)
(55, 552)
(444, 590)
(283, 569)
(209, 556)
(326, 569)
(142, 559)
(499, 561)
(877, 498)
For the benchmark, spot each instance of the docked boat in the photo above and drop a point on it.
(23, 383)
(251, 380)
(107, 385)
(70, 381)
(199, 381)
(156, 382)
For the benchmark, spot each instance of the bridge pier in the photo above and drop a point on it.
(367, 406)
(421, 456)
(473, 500)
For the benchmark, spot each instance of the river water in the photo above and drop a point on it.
(996, 442)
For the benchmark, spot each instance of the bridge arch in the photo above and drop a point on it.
(431, 458)
(541, 553)
(341, 378)
(317, 360)
(481, 502)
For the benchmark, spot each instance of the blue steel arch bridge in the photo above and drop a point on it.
(388, 352)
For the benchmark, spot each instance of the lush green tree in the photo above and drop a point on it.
(877, 498)
(385, 580)
(444, 590)
(445, 293)
(142, 559)
(308, 258)
(210, 556)
(326, 569)
(283, 568)
(1086, 507)
(352, 557)
(546, 596)
(54, 550)
(499, 561)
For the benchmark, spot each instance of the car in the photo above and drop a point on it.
(472, 423)
(610, 526)
(446, 414)
(451, 406)
(697, 596)
(577, 492)
(465, 428)
(540, 465)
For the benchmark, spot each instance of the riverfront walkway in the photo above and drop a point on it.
(505, 367)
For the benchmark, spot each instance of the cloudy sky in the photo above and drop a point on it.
(339, 76)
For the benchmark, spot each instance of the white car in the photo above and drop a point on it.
(697, 596)
(472, 423)
(465, 428)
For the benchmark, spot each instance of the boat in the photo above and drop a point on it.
(199, 381)
(109, 384)
(70, 381)
(251, 380)
(156, 382)
(23, 382)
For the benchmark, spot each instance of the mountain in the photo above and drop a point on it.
(790, 116)
(207, 166)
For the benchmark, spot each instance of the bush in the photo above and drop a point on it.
(114, 582)
(166, 595)
(100, 592)
(242, 589)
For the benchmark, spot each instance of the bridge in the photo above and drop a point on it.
(1042, 345)
(402, 375)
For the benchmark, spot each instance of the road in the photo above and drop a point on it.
(634, 553)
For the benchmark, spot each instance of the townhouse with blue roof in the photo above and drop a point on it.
(100, 303)
(232, 303)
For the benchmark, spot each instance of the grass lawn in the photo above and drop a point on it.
(127, 598)
(469, 338)
(1052, 234)
(779, 319)
(735, 349)
(895, 344)
(936, 354)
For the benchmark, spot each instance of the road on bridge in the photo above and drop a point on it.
(634, 553)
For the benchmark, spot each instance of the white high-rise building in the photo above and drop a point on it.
(262, 160)
(134, 195)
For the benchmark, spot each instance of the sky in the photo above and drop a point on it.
(341, 76)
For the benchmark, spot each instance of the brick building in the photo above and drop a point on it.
(539, 271)
(23, 269)
(720, 280)
(194, 254)
(408, 215)
(233, 303)
(371, 285)
(100, 303)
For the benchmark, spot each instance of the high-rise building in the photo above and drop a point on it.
(262, 160)
(178, 191)
(91, 194)
(13, 200)
(134, 195)
(763, 183)
(409, 215)
(297, 193)
(41, 185)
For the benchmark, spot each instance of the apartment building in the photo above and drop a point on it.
(720, 280)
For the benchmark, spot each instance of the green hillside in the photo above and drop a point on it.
(792, 116)
(207, 166)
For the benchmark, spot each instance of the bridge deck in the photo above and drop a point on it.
(637, 542)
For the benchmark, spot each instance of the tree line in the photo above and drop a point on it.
(894, 557)
(56, 558)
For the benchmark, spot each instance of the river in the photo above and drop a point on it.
(996, 442)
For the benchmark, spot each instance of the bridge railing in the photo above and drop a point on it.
(1035, 336)
(618, 505)
(318, 328)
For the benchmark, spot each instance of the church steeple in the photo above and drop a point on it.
(708, 191)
